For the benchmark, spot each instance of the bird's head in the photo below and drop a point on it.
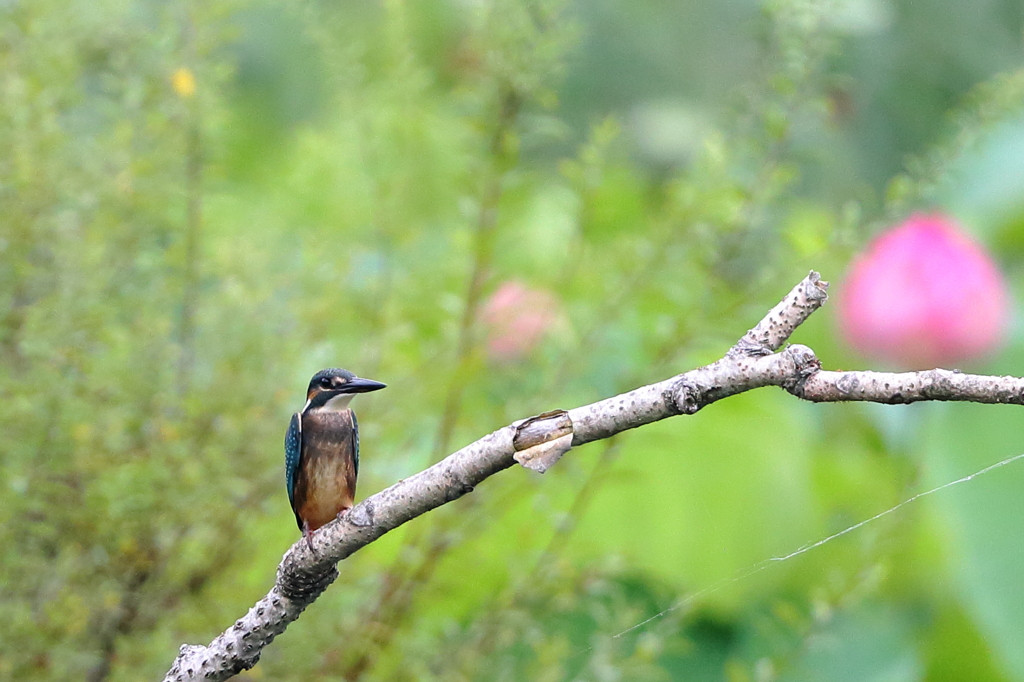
(333, 389)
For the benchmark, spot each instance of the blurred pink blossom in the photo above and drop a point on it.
(517, 318)
(924, 295)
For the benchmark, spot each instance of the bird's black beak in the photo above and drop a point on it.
(358, 385)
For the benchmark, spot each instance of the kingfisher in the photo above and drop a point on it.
(321, 449)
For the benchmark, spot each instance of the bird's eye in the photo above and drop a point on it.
(326, 382)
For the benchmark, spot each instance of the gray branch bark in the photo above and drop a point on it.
(538, 442)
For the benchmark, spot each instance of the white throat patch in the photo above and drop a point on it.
(338, 403)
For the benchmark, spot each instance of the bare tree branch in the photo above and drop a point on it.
(910, 387)
(538, 442)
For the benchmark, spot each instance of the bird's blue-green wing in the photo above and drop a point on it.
(355, 443)
(292, 455)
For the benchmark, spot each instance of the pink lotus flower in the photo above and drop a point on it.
(924, 295)
(517, 318)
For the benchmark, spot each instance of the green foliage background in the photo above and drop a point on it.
(346, 185)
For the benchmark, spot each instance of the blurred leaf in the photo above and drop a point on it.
(984, 518)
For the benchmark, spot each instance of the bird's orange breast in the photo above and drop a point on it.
(326, 482)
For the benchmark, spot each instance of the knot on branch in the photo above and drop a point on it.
(684, 397)
(805, 365)
(361, 515)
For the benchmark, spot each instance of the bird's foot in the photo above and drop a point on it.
(308, 534)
